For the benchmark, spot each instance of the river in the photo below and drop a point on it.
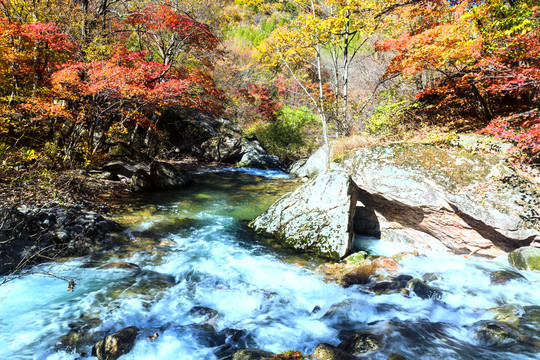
(208, 285)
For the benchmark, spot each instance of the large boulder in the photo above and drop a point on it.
(254, 156)
(525, 258)
(435, 198)
(225, 148)
(314, 165)
(317, 217)
(116, 345)
(166, 176)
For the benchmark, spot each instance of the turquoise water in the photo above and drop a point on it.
(194, 249)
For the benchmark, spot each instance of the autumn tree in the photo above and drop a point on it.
(487, 55)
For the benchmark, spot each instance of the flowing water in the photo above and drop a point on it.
(194, 250)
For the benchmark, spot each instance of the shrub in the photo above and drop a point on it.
(287, 136)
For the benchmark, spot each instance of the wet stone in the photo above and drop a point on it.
(252, 354)
(503, 276)
(360, 275)
(203, 311)
(491, 333)
(429, 277)
(116, 345)
(396, 356)
(388, 287)
(359, 343)
(386, 263)
(425, 291)
(328, 352)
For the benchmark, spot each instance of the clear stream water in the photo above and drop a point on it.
(194, 249)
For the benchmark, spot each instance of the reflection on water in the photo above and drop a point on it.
(192, 248)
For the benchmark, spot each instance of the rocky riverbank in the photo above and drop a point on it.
(428, 197)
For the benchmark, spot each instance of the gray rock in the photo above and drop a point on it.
(225, 148)
(438, 199)
(425, 291)
(116, 345)
(252, 354)
(166, 176)
(328, 352)
(123, 168)
(317, 217)
(254, 156)
(360, 343)
(314, 165)
(501, 277)
(396, 356)
(141, 181)
(525, 258)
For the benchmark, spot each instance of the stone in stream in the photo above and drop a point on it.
(121, 265)
(116, 345)
(491, 333)
(252, 354)
(525, 258)
(360, 275)
(405, 255)
(396, 356)
(386, 263)
(501, 277)
(252, 155)
(359, 343)
(425, 291)
(312, 218)
(166, 176)
(389, 287)
(206, 313)
(429, 277)
(328, 352)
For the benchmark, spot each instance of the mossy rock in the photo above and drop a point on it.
(501, 277)
(396, 356)
(357, 257)
(525, 258)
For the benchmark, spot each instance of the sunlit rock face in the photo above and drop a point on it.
(435, 198)
(317, 217)
(422, 195)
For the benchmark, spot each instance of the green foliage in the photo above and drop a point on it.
(386, 117)
(252, 34)
(287, 137)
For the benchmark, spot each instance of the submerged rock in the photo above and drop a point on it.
(360, 275)
(525, 258)
(116, 345)
(252, 354)
(396, 356)
(429, 277)
(328, 352)
(317, 217)
(501, 277)
(425, 291)
(360, 343)
(121, 265)
(386, 263)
